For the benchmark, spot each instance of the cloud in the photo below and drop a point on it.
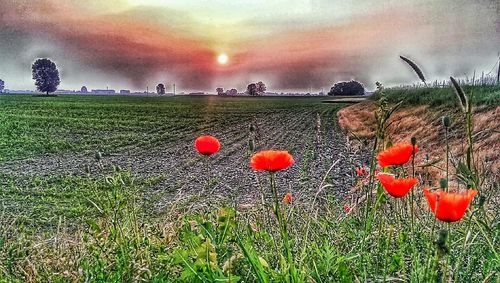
(114, 43)
(314, 47)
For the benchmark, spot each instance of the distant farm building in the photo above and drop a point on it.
(103, 91)
(124, 91)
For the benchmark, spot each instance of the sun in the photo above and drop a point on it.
(222, 59)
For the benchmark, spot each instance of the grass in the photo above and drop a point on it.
(101, 227)
(39, 204)
(444, 97)
(35, 126)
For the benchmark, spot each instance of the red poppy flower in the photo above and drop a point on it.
(272, 160)
(207, 145)
(397, 188)
(449, 207)
(347, 208)
(288, 198)
(361, 171)
(397, 154)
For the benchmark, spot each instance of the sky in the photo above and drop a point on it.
(291, 45)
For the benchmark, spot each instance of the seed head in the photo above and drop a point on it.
(251, 144)
(98, 155)
(443, 183)
(446, 121)
(413, 141)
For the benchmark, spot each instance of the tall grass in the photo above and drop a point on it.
(443, 97)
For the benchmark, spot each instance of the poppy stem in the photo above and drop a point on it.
(262, 199)
(283, 229)
(208, 171)
(412, 197)
(371, 181)
(447, 156)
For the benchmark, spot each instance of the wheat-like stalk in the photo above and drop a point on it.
(460, 94)
(415, 68)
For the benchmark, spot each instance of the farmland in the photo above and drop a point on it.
(111, 189)
(50, 144)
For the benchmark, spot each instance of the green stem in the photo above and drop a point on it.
(283, 230)
(429, 264)
(469, 138)
(412, 197)
(370, 182)
(208, 171)
(447, 158)
(463, 252)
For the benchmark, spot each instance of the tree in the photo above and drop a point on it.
(261, 88)
(84, 89)
(220, 91)
(232, 91)
(252, 89)
(46, 75)
(160, 89)
(2, 86)
(347, 88)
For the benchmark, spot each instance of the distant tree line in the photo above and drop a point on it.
(256, 89)
(2, 85)
(349, 88)
(229, 92)
(46, 76)
(253, 89)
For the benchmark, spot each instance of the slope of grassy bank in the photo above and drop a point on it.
(420, 116)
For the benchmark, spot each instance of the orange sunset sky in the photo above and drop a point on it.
(289, 45)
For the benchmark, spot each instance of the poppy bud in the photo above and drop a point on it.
(413, 141)
(347, 208)
(443, 183)
(87, 169)
(446, 121)
(252, 128)
(251, 144)
(288, 198)
(98, 155)
(360, 171)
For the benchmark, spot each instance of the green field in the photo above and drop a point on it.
(49, 144)
(34, 126)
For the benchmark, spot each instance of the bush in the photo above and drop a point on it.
(347, 88)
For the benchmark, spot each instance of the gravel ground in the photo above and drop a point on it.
(184, 176)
